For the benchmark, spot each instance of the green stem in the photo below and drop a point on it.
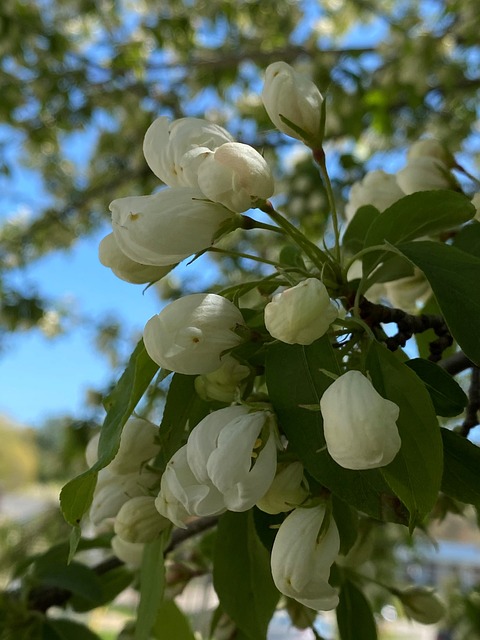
(246, 256)
(250, 223)
(316, 255)
(319, 157)
(363, 252)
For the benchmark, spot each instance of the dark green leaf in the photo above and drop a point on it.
(420, 214)
(74, 577)
(152, 585)
(294, 379)
(454, 276)
(171, 623)
(242, 576)
(447, 395)
(346, 520)
(354, 236)
(468, 239)
(354, 615)
(60, 629)
(76, 496)
(183, 410)
(266, 525)
(416, 472)
(424, 339)
(461, 474)
(112, 583)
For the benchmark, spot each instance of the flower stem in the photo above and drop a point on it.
(319, 157)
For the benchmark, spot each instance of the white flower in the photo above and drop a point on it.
(174, 150)
(406, 293)
(126, 269)
(421, 604)
(137, 445)
(113, 490)
(189, 335)
(289, 94)
(424, 173)
(235, 450)
(301, 559)
(223, 383)
(131, 553)
(167, 227)
(359, 425)
(287, 491)
(378, 188)
(139, 521)
(301, 314)
(235, 175)
(182, 495)
(431, 148)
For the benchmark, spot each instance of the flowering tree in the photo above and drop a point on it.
(296, 422)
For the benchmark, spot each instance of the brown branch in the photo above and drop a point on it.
(43, 597)
(456, 363)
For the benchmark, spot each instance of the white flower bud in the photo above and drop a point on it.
(235, 450)
(378, 188)
(431, 148)
(126, 269)
(139, 521)
(167, 227)
(131, 553)
(182, 495)
(301, 314)
(113, 490)
(289, 94)
(359, 425)
(223, 383)
(137, 446)
(476, 204)
(173, 150)
(407, 293)
(421, 604)
(189, 335)
(91, 452)
(287, 491)
(301, 561)
(235, 175)
(424, 174)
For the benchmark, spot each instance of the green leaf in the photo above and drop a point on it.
(61, 629)
(76, 496)
(416, 472)
(447, 395)
(454, 276)
(75, 577)
(346, 520)
(468, 239)
(354, 237)
(461, 474)
(295, 379)
(152, 586)
(420, 214)
(183, 410)
(354, 615)
(241, 575)
(171, 623)
(112, 583)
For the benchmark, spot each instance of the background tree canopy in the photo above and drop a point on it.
(80, 83)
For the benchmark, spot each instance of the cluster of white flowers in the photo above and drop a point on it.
(232, 459)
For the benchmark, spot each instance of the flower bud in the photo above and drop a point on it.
(222, 384)
(302, 558)
(183, 495)
(91, 451)
(191, 333)
(235, 450)
(126, 269)
(378, 188)
(167, 227)
(425, 174)
(289, 94)
(139, 521)
(235, 175)
(406, 293)
(476, 204)
(113, 490)
(301, 314)
(174, 150)
(137, 446)
(433, 149)
(421, 604)
(359, 425)
(131, 553)
(287, 491)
